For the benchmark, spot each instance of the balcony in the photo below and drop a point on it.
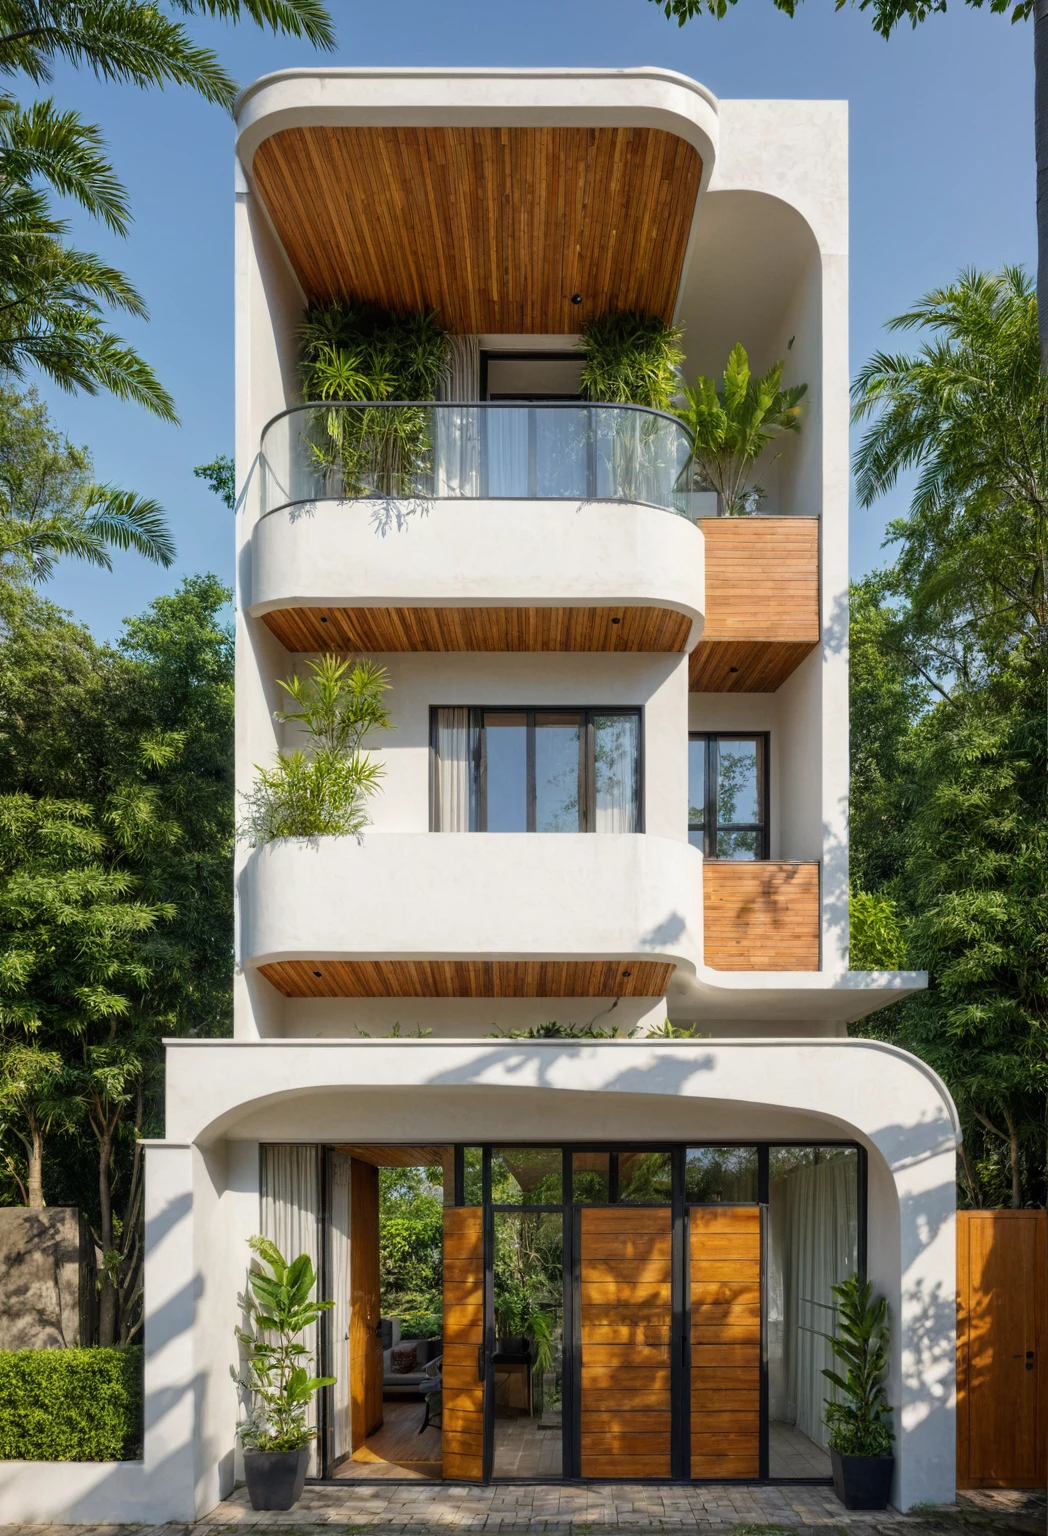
(761, 603)
(762, 916)
(451, 527)
(473, 915)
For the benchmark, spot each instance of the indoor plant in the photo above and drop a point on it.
(277, 1380)
(861, 1435)
(730, 426)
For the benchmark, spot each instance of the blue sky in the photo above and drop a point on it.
(942, 177)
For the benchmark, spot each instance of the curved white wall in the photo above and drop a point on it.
(477, 552)
(480, 895)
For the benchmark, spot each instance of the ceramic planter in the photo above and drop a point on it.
(275, 1479)
(862, 1482)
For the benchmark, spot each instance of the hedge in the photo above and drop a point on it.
(70, 1404)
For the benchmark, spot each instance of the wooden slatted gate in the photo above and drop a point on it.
(626, 1317)
(724, 1292)
(463, 1379)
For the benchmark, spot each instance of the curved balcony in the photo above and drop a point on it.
(452, 527)
(473, 915)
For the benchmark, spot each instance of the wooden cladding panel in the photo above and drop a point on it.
(762, 603)
(480, 629)
(762, 916)
(365, 1343)
(468, 978)
(724, 1285)
(463, 1389)
(626, 1331)
(494, 228)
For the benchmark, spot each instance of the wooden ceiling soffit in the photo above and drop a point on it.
(469, 978)
(494, 228)
(399, 1157)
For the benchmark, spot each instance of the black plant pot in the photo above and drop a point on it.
(862, 1482)
(275, 1479)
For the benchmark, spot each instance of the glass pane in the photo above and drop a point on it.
(528, 1361)
(561, 451)
(696, 787)
(526, 1175)
(740, 788)
(721, 1174)
(645, 1178)
(505, 450)
(738, 845)
(557, 773)
(506, 763)
(616, 748)
(812, 1245)
(473, 1176)
(590, 1177)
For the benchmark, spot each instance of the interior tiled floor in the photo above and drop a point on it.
(792, 1454)
(528, 1447)
(396, 1451)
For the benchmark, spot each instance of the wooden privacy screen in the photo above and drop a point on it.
(762, 916)
(463, 1390)
(626, 1274)
(1002, 1384)
(725, 1294)
(365, 1341)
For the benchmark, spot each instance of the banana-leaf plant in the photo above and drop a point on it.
(277, 1372)
(860, 1425)
(731, 424)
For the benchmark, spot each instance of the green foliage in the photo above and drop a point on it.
(278, 1379)
(887, 14)
(876, 938)
(220, 475)
(731, 425)
(861, 1424)
(669, 1031)
(71, 1404)
(631, 359)
(554, 1031)
(528, 1271)
(323, 793)
(411, 1248)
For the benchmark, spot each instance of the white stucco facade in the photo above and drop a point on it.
(766, 263)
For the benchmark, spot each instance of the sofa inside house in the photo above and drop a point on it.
(402, 1375)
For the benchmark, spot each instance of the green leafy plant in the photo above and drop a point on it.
(554, 1031)
(631, 359)
(731, 425)
(322, 792)
(668, 1031)
(71, 1404)
(861, 1424)
(876, 938)
(278, 1377)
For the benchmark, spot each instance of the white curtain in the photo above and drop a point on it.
(338, 1269)
(457, 741)
(616, 747)
(290, 1208)
(457, 434)
(822, 1228)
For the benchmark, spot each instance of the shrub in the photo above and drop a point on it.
(71, 1404)
(632, 359)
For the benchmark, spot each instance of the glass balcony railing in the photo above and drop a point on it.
(554, 450)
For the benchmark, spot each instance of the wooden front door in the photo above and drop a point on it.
(1001, 1377)
(724, 1282)
(626, 1315)
(463, 1369)
(365, 1339)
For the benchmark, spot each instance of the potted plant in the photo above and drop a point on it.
(277, 1379)
(861, 1435)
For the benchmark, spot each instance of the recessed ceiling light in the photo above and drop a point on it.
(627, 973)
(316, 973)
(616, 621)
(322, 619)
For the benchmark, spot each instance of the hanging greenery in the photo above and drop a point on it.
(632, 359)
(359, 353)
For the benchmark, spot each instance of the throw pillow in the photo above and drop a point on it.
(404, 1359)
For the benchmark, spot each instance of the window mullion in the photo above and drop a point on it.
(530, 716)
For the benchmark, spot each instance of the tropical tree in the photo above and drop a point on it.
(220, 475)
(887, 15)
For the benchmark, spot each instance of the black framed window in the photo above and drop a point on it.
(536, 770)
(728, 794)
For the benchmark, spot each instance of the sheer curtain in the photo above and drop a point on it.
(338, 1269)
(616, 751)
(290, 1209)
(822, 1227)
(458, 431)
(455, 807)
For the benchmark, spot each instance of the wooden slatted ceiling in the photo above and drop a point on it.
(469, 978)
(762, 603)
(398, 1157)
(479, 629)
(494, 228)
(760, 917)
(724, 1251)
(463, 1388)
(626, 1314)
